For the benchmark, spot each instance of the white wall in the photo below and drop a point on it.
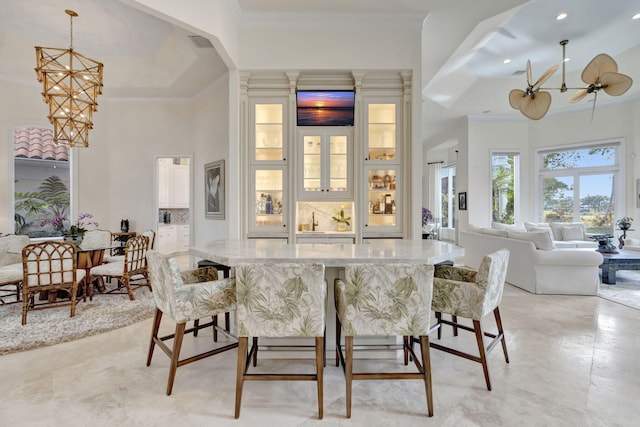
(610, 121)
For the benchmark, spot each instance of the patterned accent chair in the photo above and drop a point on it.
(462, 292)
(11, 265)
(49, 267)
(280, 300)
(384, 300)
(185, 297)
(132, 273)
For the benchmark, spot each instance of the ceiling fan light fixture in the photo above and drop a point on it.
(600, 73)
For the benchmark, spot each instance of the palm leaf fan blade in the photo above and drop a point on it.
(536, 106)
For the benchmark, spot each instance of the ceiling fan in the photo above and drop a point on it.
(600, 73)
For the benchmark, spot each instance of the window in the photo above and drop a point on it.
(582, 184)
(448, 192)
(505, 172)
(41, 184)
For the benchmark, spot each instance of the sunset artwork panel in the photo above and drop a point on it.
(325, 108)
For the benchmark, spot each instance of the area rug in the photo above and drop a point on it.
(53, 325)
(626, 291)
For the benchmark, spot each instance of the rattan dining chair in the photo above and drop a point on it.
(131, 274)
(384, 300)
(280, 300)
(184, 297)
(49, 267)
(11, 266)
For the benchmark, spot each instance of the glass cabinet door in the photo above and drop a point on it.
(383, 200)
(382, 131)
(269, 132)
(325, 164)
(338, 163)
(269, 197)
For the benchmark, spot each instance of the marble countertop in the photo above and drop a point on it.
(233, 252)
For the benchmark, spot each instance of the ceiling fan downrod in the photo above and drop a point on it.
(563, 87)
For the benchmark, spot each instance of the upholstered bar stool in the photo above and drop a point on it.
(385, 300)
(466, 293)
(280, 300)
(185, 297)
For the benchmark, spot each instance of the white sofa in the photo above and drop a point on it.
(572, 270)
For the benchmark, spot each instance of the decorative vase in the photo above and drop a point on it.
(76, 239)
(341, 226)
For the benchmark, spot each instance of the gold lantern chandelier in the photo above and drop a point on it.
(71, 85)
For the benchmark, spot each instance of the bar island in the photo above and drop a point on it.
(334, 257)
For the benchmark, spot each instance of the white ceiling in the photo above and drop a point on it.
(464, 45)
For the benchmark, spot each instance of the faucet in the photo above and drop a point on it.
(313, 221)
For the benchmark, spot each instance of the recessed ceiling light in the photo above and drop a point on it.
(506, 61)
(636, 16)
(566, 59)
(561, 16)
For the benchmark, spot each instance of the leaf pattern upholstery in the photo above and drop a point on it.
(281, 300)
(385, 299)
(458, 292)
(188, 301)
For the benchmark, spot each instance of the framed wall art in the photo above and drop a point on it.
(462, 201)
(214, 190)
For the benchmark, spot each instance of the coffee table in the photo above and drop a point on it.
(623, 260)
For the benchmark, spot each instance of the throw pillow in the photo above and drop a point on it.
(540, 239)
(492, 232)
(556, 227)
(501, 226)
(572, 233)
(545, 229)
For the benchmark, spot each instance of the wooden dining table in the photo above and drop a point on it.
(334, 256)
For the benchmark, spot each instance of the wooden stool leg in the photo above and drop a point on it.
(175, 355)
(320, 361)
(438, 319)
(255, 352)
(242, 359)
(227, 322)
(338, 333)
(154, 334)
(483, 354)
(348, 370)
(454, 319)
(405, 348)
(215, 330)
(426, 365)
(196, 323)
(496, 313)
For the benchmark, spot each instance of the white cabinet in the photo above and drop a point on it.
(166, 239)
(173, 238)
(173, 184)
(183, 235)
(325, 163)
(269, 199)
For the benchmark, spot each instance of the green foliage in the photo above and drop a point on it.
(34, 208)
(341, 218)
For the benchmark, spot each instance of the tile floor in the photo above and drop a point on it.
(574, 362)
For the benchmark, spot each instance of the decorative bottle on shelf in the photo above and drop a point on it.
(263, 203)
(269, 205)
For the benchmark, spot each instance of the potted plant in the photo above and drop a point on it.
(426, 218)
(342, 222)
(75, 232)
(624, 223)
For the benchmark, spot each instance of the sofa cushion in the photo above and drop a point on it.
(492, 232)
(546, 229)
(572, 233)
(541, 239)
(556, 228)
(502, 226)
